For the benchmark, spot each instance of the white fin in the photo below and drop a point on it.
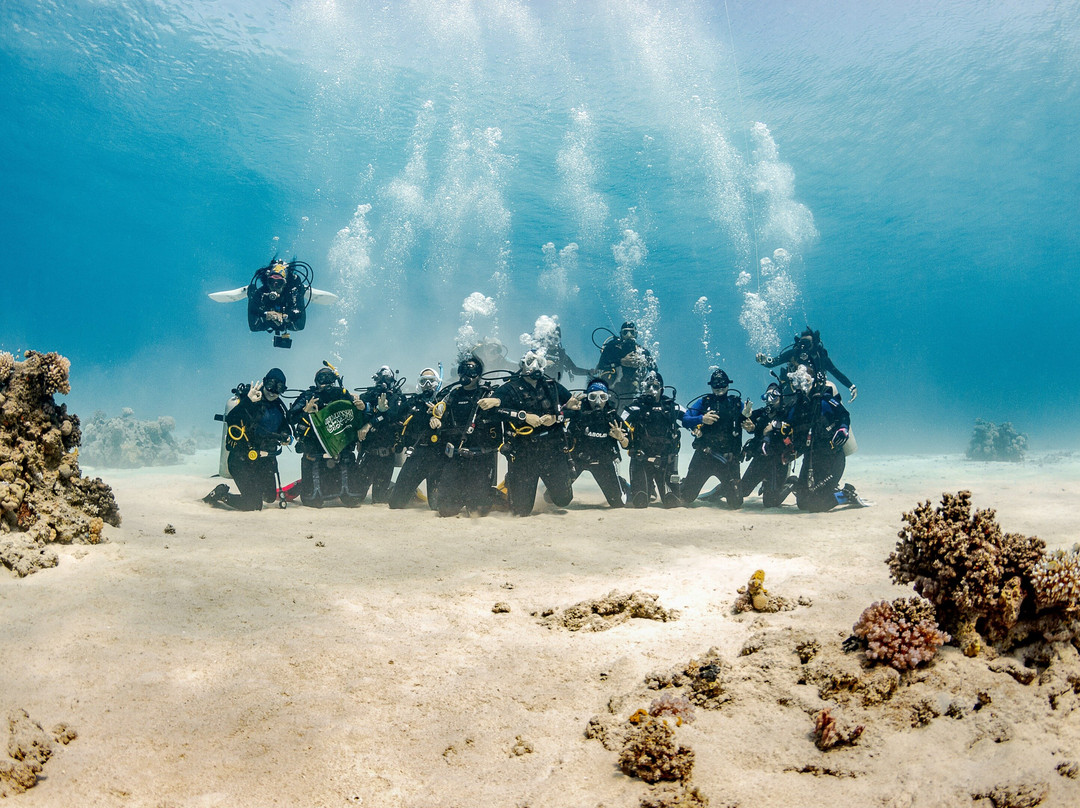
(230, 296)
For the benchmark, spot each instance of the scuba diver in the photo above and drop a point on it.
(824, 460)
(596, 433)
(809, 351)
(425, 457)
(716, 421)
(323, 477)
(623, 363)
(531, 406)
(559, 361)
(547, 334)
(653, 420)
(492, 353)
(256, 429)
(278, 297)
(770, 450)
(469, 437)
(383, 404)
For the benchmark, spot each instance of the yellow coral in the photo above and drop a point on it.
(756, 583)
(755, 588)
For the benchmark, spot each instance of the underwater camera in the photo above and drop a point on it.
(282, 341)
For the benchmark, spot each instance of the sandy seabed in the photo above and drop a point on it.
(339, 657)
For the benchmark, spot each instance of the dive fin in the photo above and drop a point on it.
(229, 296)
(321, 297)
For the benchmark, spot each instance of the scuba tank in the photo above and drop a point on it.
(223, 456)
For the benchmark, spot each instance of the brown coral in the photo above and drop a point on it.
(1056, 579)
(43, 495)
(965, 566)
(650, 752)
(7, 365)
(902, 634)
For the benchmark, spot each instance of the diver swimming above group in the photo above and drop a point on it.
(451, 437)
(278, 296)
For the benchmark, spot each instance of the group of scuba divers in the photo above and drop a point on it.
(451, 436)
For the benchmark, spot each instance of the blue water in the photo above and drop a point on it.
(918, 163)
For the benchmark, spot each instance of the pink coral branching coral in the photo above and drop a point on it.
(902, 634)
(829, 731)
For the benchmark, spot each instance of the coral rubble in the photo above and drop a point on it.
(703, 676)
(902, 634)
(127, 443)
(684, 795)
(986, 585)
(28, 748)
(608, 611)
(43, 496)
(651, 753)
(990, 441)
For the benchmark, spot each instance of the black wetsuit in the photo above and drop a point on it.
(592, 448)
(717, 447)
(257, 428)
(624, 380)
(654, 448)
(823, 463)
(322, 478)
(770, 454)
(291, 301)
(378, 448)
(426, 456)
(558, 361)
(470, 437)
(814, 356)
(534, 453)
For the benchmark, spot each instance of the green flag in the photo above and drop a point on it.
(336, 425)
